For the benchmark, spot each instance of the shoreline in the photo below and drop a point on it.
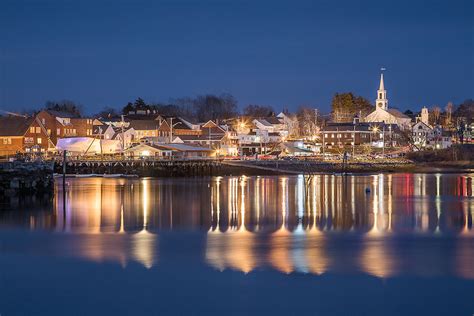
(265, 168)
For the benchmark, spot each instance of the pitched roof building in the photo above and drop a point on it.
(12, 134)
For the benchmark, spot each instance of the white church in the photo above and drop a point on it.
(383, 114)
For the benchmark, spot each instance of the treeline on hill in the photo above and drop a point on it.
(201, 108)
(346, 106)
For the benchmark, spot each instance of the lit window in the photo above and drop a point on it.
(38, 130)
(38, 140)
(32, 129)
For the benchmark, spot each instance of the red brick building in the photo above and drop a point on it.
(48, 126)
(12, 134)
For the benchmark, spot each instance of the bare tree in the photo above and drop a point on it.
(307, 119)
(449, 112)
(436, 110)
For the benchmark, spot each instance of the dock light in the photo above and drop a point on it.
(145, 153)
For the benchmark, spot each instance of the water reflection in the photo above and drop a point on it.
(284, 223)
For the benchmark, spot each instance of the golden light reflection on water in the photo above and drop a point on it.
(286, 223)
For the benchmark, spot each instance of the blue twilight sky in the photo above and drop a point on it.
(280, 53)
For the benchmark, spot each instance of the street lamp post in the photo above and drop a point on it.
(383, 140)
(171, 129)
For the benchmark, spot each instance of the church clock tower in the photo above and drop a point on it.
(382, 101)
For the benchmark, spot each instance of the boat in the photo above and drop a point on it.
(91, 175)
(112, 175)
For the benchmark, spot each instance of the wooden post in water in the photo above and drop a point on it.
(64, 188)
(64, 168)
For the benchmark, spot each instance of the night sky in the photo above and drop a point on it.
(280, 53)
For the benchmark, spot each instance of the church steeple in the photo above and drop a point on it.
(381, 101)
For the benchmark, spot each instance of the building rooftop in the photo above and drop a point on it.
(397, 113)
(62, 114)
(144, 125)
(14, 125)
(183, 147)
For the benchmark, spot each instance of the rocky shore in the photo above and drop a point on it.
(26, 178)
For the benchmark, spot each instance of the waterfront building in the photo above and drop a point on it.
(148, 151)
(338, 135)
(145, 128)
(49, 125)
(184, 151)
(104, 131)
(13, 139)
(170, 126)
(126, 136)
(384, 114)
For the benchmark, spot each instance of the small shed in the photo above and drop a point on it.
(149, 151)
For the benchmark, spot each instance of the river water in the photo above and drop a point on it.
(385, 244)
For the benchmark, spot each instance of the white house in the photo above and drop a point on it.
(127, 136)
(422, 134)
(103, 131)
(271, 125)
(291, 123)
(426, 136)
(149, 151)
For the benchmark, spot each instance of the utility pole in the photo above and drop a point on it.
(315, 119)
(353, 141)
(383, 140)
(123, 139)
(171, 130)
(64, 169)
(324, 144)
(210, 147)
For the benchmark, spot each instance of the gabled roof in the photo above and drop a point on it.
(14, 125)
(209, 124)
(397, 113)
(178, 122)
(212, 137)
(269, 121)
(100, 129)
(144, 125)
(212, 128)
(61, 114)
(183, 147)
(263, 122)
(273, 120)
(148, 146)
(423, 124)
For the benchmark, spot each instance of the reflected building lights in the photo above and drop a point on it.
(291, 215)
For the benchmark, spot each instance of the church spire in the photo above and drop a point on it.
(381, 82)
(381, 101)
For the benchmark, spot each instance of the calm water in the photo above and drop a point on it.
(383, 244)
